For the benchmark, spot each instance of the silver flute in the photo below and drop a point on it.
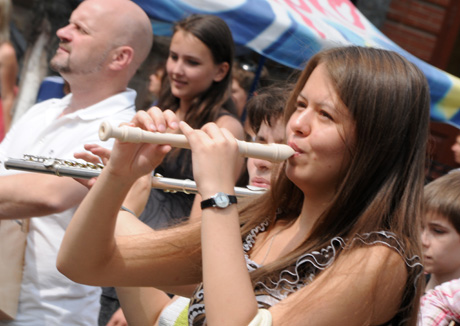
(75, 169)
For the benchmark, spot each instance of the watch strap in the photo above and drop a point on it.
(210, 202)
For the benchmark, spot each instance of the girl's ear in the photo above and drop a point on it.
(121, 57)
(221, 71)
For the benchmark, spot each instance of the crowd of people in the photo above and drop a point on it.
(347, 219)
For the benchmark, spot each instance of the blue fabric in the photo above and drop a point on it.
(290, 32)
(51, 87)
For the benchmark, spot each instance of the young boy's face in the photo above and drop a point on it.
(441, 246)
(260, 171)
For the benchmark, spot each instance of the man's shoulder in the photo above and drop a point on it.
(47, 105)
(118, 105)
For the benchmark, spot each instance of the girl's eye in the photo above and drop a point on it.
(193, 62)
(173, 56)
(326, 115)
(301, 105)
(438, 231)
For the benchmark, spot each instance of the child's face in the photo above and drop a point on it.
(191, 67)
(260, 171)
(441, 246)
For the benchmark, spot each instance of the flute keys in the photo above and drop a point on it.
(49, 162)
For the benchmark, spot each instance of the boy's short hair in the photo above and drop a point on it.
(267, 105)
(442, 196)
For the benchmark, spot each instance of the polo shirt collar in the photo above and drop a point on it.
(104, 108)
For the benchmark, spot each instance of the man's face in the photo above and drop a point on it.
(85, 41)
(260, 171)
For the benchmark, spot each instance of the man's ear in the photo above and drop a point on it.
(121, 57)
(221, 72)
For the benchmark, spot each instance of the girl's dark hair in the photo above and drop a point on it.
(216, 35)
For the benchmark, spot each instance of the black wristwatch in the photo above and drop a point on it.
(220, 200)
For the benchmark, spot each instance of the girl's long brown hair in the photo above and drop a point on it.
(382, 189)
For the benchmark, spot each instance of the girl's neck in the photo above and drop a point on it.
(312, 209)
(184, 106)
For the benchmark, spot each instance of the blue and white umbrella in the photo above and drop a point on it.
(291, 31)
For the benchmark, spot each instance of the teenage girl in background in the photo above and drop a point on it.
(199, 70)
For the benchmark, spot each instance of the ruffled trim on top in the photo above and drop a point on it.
(249, 243)
(311, 264)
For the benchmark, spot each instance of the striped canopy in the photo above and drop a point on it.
(291, 31)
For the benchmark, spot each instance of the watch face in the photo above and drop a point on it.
(221, 200)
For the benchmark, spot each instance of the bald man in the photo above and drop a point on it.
(100, 50)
